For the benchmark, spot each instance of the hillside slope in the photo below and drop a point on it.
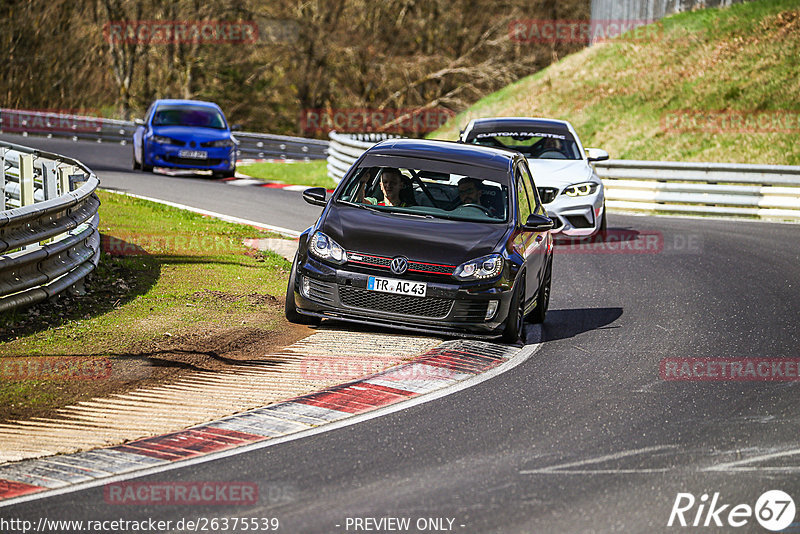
(648, 98)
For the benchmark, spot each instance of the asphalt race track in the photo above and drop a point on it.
(584, 437)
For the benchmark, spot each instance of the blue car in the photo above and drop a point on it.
(185, 134)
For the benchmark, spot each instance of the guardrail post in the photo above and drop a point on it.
(49, 180)
(63, 179)
(26, 187)
(2, 179)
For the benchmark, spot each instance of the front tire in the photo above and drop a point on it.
(145, 167)
(603, 221)
(516, 314)
(290, 307)
(543, 298)
(224, 174)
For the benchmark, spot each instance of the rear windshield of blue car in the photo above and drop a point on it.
(197, 116)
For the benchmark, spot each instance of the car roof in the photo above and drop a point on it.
(477, 155)
(182, 102)
(515, 122)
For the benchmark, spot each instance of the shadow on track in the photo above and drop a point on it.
(563, 324)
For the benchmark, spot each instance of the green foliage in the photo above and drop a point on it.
(619, 95)
(310, 173)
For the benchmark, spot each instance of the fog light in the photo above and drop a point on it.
(305, 286)
(491, 309)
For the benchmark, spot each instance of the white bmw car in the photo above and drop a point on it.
(568, 184)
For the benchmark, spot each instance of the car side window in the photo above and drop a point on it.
(530, 187)
(522, 197)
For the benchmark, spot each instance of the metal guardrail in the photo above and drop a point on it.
(80, 127)
(345, 149)
(49, 239)
(770, 192)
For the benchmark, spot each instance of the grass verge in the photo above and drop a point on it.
(174, 292)
(311, 173)
(624, 95)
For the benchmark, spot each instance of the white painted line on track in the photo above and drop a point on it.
(522, 356)
(278, 229)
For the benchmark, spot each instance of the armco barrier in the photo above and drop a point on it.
(729, 189)
(81, 127)
(49, 238)
(769, 192)
(345, 149)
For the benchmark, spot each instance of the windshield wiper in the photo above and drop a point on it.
(362, 206)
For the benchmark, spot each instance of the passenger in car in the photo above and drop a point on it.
(396, 188)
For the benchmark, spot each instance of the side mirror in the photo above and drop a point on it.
(538, 223)
(596, 154)
(236, 127)
(316, 196)
(138, 122)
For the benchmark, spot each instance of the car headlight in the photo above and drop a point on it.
(480, 268)
(166, 140)
(325, 248)
(218, 143)
(582, 189)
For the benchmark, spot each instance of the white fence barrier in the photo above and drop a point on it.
(769, 192)
(730, 189)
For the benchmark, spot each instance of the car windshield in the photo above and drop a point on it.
(534, 144)
(198, 116)
(427, 193)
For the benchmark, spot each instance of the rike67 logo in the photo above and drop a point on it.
(774, 510)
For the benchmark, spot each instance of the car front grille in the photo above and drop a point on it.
(547, 194)
(209, 162)
(400, 304)
(579, 221)
(385, 263)
(470, 311)
(321, 291)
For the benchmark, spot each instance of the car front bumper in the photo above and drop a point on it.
(219, 159)
(448, 308)
(576, 217)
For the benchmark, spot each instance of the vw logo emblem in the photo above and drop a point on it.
(399, 265)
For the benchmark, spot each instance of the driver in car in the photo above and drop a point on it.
(470, 192)
(552, 145)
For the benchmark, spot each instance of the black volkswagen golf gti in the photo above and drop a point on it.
(432, 236)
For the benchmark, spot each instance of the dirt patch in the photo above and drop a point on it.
(159, 361)
(202, 346)
(252, 299)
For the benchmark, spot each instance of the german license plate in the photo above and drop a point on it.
(399, 287)
(193, 154)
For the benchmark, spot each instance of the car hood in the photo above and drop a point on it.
(559, 173)
(429, 240)
(188, 133)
